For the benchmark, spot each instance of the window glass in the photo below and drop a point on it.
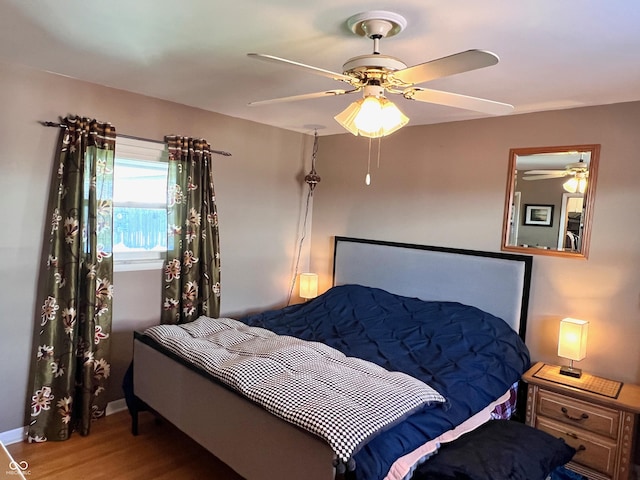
(139, 200)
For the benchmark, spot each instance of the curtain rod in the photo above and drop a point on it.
(62, 125)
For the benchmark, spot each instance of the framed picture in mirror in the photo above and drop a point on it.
(541, 215)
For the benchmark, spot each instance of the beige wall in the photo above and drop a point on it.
(259, 197)
(445, 185)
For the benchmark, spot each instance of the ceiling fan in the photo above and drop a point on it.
(577, 172)
(376, 75)
(578, 169)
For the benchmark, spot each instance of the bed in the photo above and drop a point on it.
(376, 283)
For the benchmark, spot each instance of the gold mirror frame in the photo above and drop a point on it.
(514, 217)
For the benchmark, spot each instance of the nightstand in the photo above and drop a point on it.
(596, 416)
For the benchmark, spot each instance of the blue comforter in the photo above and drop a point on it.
(469, 356)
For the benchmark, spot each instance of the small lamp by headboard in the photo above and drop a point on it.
(572, 344)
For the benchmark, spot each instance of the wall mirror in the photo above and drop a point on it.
(549, 201)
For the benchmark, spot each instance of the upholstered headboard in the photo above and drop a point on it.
(497, 283)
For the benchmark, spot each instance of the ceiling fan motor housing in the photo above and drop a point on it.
(373, 90)
(362, 63)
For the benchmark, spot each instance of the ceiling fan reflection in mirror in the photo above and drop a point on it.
(377, 75)
(577, 172)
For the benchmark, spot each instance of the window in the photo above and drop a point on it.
(139, 204)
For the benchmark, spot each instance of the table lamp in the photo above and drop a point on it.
(572, 344)
(308, 285)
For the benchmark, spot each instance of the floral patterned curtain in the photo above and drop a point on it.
(72, 351)
(191, 284)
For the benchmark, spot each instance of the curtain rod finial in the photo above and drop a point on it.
(52, 124)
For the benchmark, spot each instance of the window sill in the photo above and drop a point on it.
(134, 266)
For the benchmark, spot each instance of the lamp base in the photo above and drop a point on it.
(571, 371)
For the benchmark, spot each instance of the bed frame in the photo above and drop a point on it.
(260, 446)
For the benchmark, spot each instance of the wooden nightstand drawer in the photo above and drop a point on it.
(601, 425)
(577, 413)
(593, 451)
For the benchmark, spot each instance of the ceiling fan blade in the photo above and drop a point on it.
(302, 66)
(560, 173)
(458, 101)
(305, 96)
(445, 66)
(542, 177)
(581, 165)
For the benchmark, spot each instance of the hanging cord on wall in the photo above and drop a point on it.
(312, 179)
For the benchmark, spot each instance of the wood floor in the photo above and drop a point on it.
(159, 452)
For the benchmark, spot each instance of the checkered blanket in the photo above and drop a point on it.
(343, 400)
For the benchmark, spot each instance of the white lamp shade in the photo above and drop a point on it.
(308, 285)
(572, 341)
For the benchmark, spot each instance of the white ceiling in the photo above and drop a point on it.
(554, 54)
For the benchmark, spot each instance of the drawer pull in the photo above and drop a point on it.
(575, 437)
(584, 416)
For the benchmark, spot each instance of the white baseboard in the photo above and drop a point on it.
(19, 434)
(13, 436)
(116, 406)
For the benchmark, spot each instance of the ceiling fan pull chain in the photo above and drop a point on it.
(379, 146)
(367, 179)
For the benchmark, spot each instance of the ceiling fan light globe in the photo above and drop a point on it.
(574, 185)
(346, 117)
(369, 119)
(372, 117)
(392, 118)
(582, 185)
